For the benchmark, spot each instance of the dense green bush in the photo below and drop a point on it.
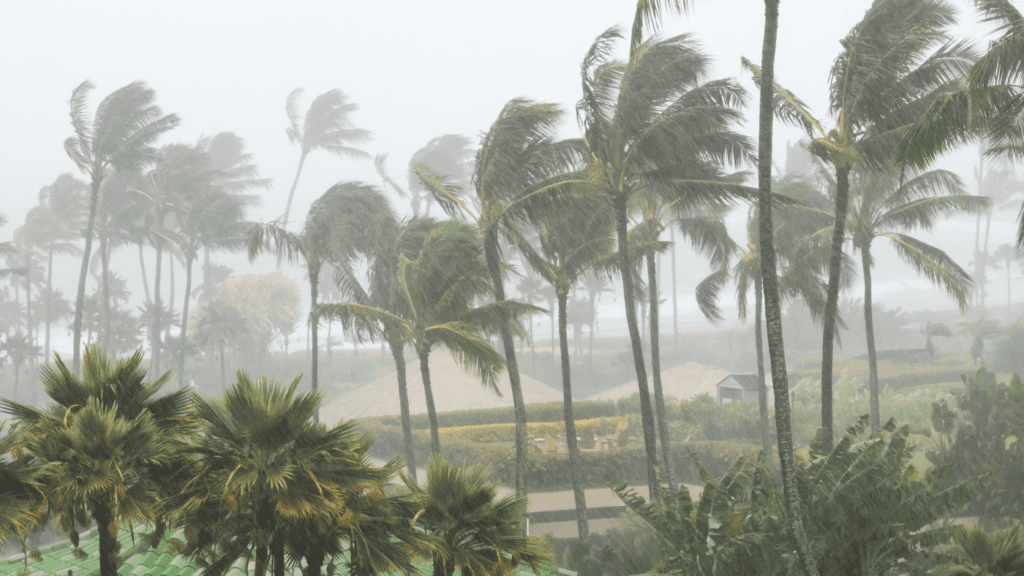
(543, 412)
(1008, 352)
(620, 551)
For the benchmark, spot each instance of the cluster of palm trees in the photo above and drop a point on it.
(247, 475)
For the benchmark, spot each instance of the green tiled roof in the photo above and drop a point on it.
(140, 560)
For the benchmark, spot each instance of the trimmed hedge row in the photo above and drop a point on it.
(549, 472)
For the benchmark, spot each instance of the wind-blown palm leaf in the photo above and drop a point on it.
(935, 265)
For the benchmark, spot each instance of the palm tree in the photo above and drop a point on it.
(449, 155)
(997, 554)
(326, 127)
(22, 498)
(574, 238)
(113, 445)
(934, 329)
(220, 325)
(1007, 254)
(898, 60)
(313, 247)
(517, 163)
(119, 137)
(800, 255)
(65, 199)
(476, 532)
(440, 286)
(654, 123)
(18, 346)
(263, 467)
(883, 207)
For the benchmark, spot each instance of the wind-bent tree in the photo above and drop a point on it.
(475, 531)
(1007, 254)
(574, 238)
(802, 259)
(882, 207)
(22, 497)
(656, 123)
(119, 137)
(326, 127)
(896, 62)
(114, 447)
(517, 164)
(449, 155)
(311, 247)
(65, 199)
(440, 287)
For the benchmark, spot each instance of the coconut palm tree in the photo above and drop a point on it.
(1007, 254)
(119, 137)
(20, 349)
(896, 62)
(883, 207)
(264, 466)
(440, 287)
(65, 199)
(219, 326)
(574, 238)
(655, 123)
(114, 446)
(326, 127)
(517, 164)
(476, 532)
(450, 155)
(312, 247)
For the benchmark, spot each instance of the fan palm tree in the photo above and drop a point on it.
(22, 498)
(265, 466)
(114, 446)
(518, 163)
(476, 532)
(655, 123)
(326, 127)
(896, 62)
(119, 137)
(312, 247)
(440, 286)
(574, 238)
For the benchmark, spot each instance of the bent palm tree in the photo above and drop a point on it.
(119, 137)
(326, 127)
(655, 123)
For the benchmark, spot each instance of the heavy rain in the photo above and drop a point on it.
(604, 288)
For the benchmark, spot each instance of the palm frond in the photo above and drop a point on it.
(935, 265)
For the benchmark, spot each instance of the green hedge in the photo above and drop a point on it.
(548, 472)
(902, 381)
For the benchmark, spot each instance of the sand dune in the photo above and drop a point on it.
(453, 388)
(680, 382)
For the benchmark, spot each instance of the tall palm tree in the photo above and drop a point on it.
(884, 207)
(312, 247)
(655, 123)
(65, 198)
(895, 63)
(114, 446)
(574, 237)
(476, 532)
(1007, 254)
(801, 258)
(119, 137)
(518, 163)
(326, 127)
(440, 287)
(219, 326)
(263, 467)
(450, 155)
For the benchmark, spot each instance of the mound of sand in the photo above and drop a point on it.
(680, 382)
(453, 388)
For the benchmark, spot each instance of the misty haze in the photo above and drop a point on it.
(599, 288)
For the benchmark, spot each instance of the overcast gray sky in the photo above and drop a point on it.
(416, 69)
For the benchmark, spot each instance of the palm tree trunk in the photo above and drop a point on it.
(223, 376)
(870, 329)
(675, 304)
(773, 311)
(1008, 265)
(260, 569)
(628, 295)
(154, 328)
(659, 396)
(832, 302)
(277, 551)
(762, 392)
(570, 424)
(291, 194)
(511, 364)
(142, 266)
(105, 263)
(106, 528)
(398, 353)
(28, 302)
(189, 258)
(314, 561)
(435, 439)
(49, 299)
(593, 322)
(97, 178)
(314, 315)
